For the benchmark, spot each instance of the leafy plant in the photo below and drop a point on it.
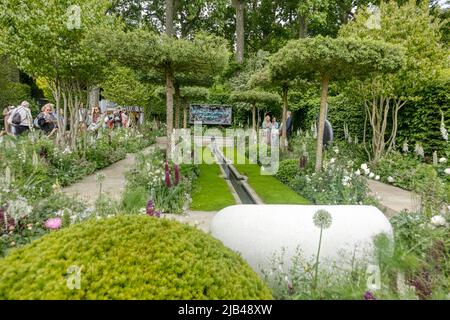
(129, 257)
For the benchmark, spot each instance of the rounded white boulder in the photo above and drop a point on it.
(260, 232)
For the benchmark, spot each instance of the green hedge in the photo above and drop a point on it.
(129, 257)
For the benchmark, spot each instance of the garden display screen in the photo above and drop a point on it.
(210, 114)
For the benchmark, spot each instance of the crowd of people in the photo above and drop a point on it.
(273, 130)
(18, 120)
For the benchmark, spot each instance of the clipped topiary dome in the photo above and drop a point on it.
(128, 257)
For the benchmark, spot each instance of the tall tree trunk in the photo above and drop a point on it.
(169, 111)
(170, 30)
(259, 118)
(323, 111)
(177, 106)
(303, 27)
(94, 97)
(185, 106)
(284, 117)
(254, 116)
(239, 6)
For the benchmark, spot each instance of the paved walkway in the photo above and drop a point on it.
(87, 189)
(392, 198)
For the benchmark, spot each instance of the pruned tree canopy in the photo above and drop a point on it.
(340, 58)
(255, 96)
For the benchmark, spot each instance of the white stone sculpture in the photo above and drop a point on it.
(258, 232)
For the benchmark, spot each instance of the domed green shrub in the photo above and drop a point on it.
(128, 257)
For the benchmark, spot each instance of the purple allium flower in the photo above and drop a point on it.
(157, 214)
(177, 174)
(53, 224)
(167, 172)
(150, 208)
(369, 296)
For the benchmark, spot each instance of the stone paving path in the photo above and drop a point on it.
(87, 189)
(392, 198)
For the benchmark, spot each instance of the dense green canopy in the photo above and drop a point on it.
(333, 59)
(341, 58)
(255, 96)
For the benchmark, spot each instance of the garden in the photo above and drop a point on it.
(189, 139)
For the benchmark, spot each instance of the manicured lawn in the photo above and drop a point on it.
(270, 189)
(211, 192)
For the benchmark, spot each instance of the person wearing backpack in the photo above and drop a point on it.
(21, 119)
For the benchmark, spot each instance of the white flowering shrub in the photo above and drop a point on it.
(338, 183)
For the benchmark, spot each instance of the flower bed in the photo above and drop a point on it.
(32, 173)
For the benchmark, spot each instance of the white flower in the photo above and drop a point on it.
(332, 160)
(438, 221)
(377, 178)
(358, 172)
(447, 171)
(336, 150)
(442, 160)
(366, 171)
(419, 150)
(391, 179)
(371, 175)
(346, 181)
(364, 166)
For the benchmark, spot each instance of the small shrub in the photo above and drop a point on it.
(288, 170)
(129, 257)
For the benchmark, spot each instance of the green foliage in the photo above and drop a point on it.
(31, 226)
(149, 175)
(135, 199)
(255, 97)
(37, 37)
(37, 164)
(268, 188)
(413, 266)
(11, 92)
(123, 86)
(210, 191)
(288, 170)
(340, 58)
(419, 34)
(420, 120)
(336, 184)
(129, 257)
(410, 173)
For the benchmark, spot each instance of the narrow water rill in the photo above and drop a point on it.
(237, 181)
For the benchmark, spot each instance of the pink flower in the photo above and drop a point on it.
(53, 223)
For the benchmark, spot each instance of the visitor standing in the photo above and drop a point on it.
(125, 119)
(47, 121)
(94, 120)
(275, 124)
(267, 127)
(21, 119)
